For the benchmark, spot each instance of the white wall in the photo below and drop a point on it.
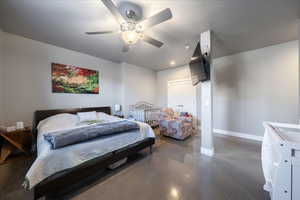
(28, 79)
(1, 79)
(138, 84)
(162, 82)
(249, 87)
(173, 74)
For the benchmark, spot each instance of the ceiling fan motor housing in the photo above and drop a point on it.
(130, 14)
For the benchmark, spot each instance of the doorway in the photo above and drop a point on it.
(182, 96)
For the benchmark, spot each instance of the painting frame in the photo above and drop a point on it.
(74, 80)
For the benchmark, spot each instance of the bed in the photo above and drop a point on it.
(66, 173)
(145, 112)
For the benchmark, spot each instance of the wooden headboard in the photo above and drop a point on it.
(43, 114)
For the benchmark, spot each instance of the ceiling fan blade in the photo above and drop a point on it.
(152, 41)
(125, 48)
(114, 10)
(99, 32)
(158, 18)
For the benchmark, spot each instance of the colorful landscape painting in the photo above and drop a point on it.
(70, 79)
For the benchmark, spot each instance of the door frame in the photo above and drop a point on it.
(170, 82)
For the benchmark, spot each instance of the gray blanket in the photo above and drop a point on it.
(67, 137)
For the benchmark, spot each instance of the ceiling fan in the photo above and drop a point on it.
(132, 31)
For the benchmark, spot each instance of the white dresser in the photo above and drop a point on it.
(281, 160)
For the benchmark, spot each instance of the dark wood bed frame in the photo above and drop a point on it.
(64, 181)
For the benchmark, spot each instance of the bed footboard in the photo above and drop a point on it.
(75, 177)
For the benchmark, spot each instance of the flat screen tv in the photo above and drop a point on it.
(199, 67)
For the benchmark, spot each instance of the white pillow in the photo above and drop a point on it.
(57, 122)
(102, 115)
(87, 116)
(108, 118)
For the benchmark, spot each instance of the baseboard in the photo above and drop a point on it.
(208, 152)
(238, 134)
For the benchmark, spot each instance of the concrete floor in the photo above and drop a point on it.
(175, 170)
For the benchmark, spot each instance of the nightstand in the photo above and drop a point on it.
(19, 139)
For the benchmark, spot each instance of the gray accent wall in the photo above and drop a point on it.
(27, 79)
(138, 84)
(256, 86)
(249, 88)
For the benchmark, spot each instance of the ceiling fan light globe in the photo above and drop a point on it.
(130, 37)
(141, 36)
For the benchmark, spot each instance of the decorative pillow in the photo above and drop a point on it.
(87, 116)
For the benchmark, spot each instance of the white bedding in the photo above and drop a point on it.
(50, 161)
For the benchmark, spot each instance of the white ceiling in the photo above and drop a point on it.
(238, 25)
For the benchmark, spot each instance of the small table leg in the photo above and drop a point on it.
(5, 152)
